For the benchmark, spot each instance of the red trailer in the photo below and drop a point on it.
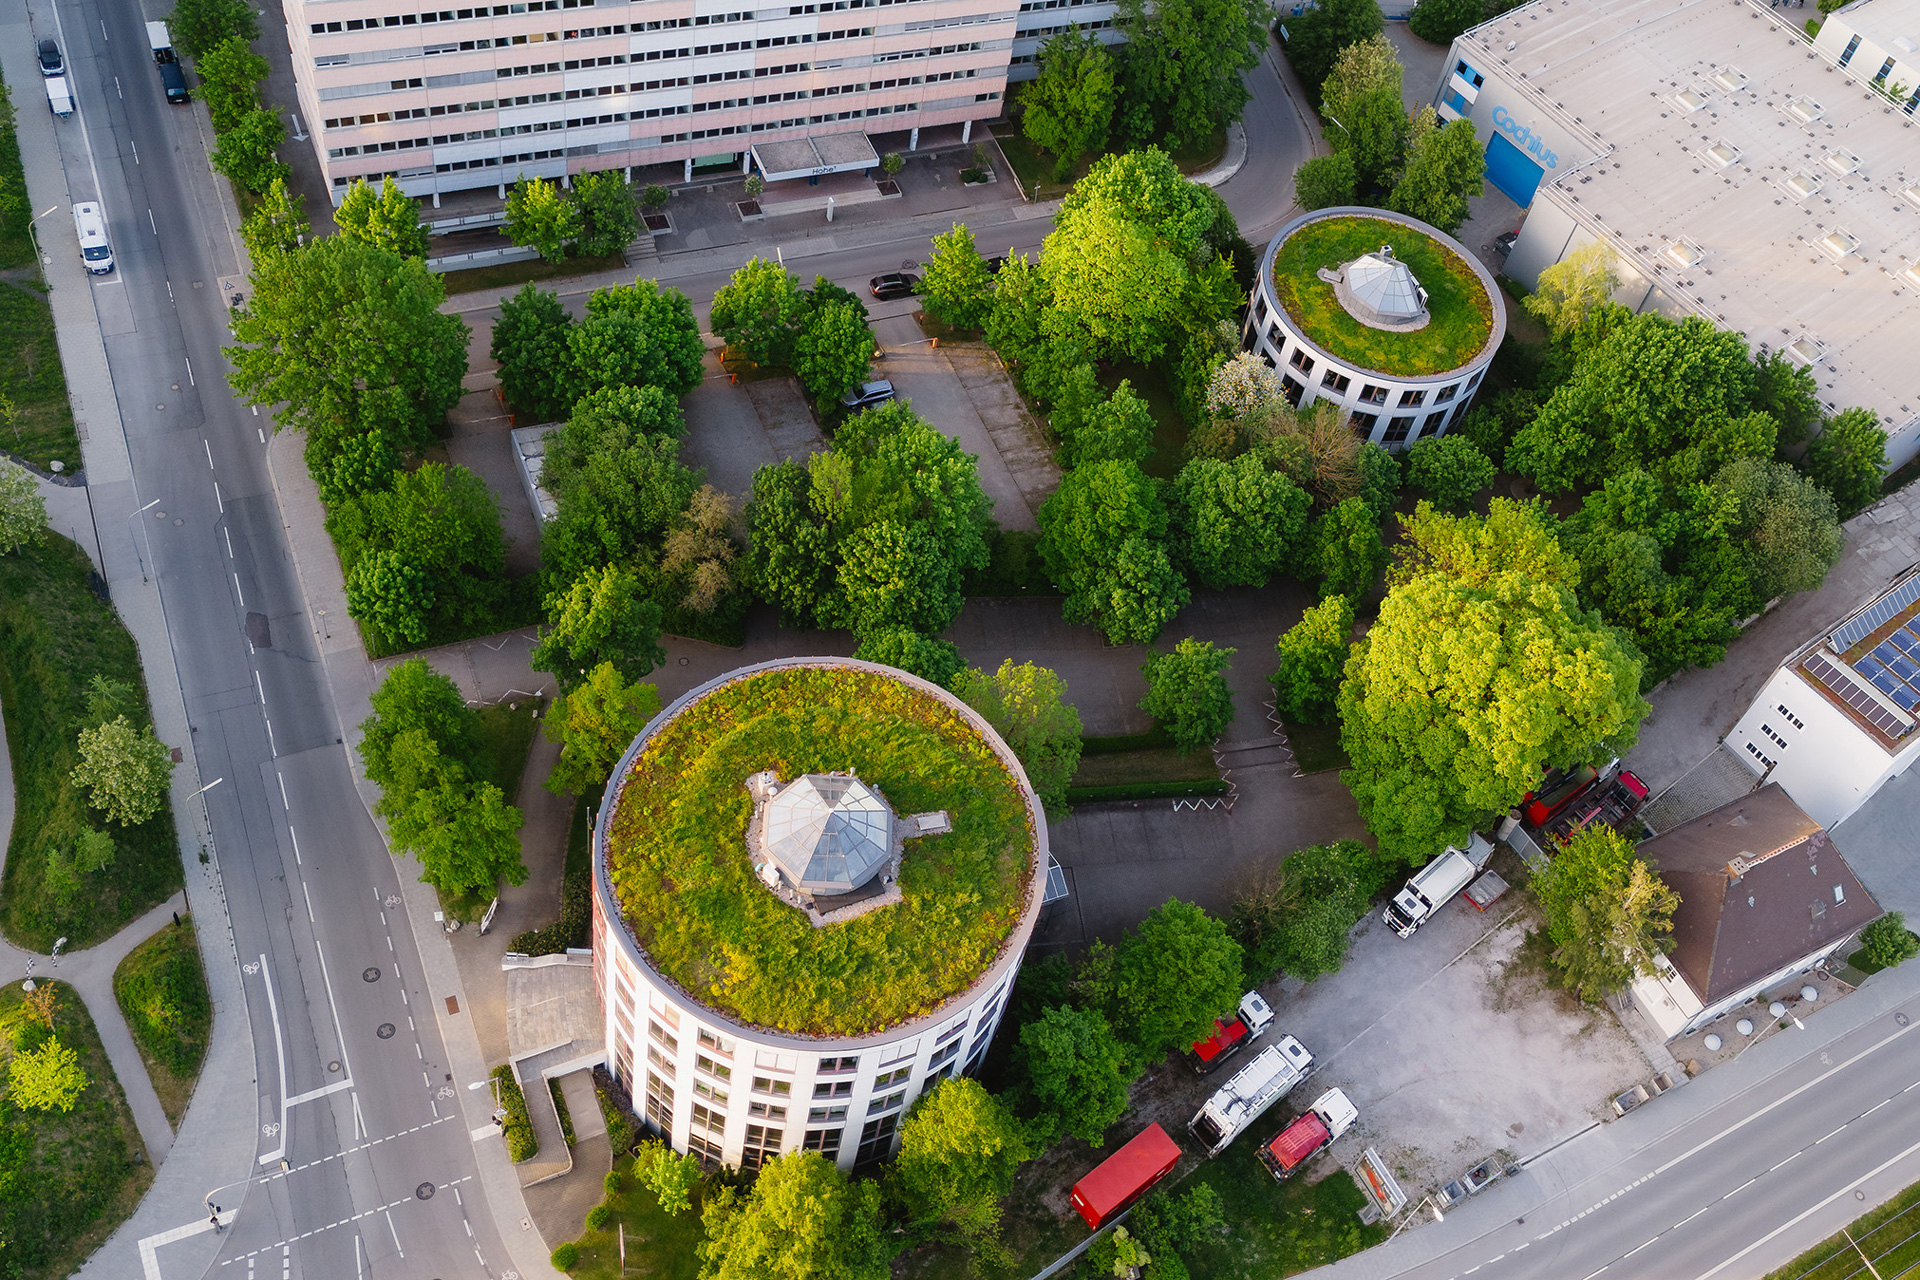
(1125, 1176)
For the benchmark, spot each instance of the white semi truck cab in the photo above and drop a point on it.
(1434, 884)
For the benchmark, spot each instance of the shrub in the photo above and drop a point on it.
(1187, 693)
(614, 1183)
(517, 1125)
(1886, 942)
(1449, 469)
(567, 1256)
(655, 196)
(598, 1217)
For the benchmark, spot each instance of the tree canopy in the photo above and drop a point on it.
(388, 219)
(1236, 523)
(1315, 38)
(1187, 692)
(1101, 536)
(530, 344)
(1172, 975)
(956, 285)
(1076, 1070)
(802, 1221)
(1848, 459)
(1313, 653)
(1068, 107)
(593, 726)
(758, 311)
(637, 335)
(1027, 706)
(1608, 913)
(959, 1149)
(1184, 65)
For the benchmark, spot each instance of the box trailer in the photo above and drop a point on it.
(1125, 1176)
(1331, 1115)
(59, 96)
(1251, 1090)
(1249, 1024)
(1435, 884)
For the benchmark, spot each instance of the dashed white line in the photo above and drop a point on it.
(309, 898)
(222, 501)
(259, 688)
(203, 439)
(190, 378)
(229, 538)
(283, 788)
(296, 847)
(237, 591)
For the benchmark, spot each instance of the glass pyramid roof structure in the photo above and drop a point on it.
(1382, 283)
(828, 833)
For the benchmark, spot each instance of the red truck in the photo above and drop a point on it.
(1125, 1176)
(1331, 1115)
(1228, 1038)
(1558, 790)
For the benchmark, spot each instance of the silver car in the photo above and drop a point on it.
(866, 395)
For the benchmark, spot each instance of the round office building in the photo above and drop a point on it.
(813, 882)
(1379, 313)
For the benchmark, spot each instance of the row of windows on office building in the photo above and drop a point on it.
(436, 16)
(575, 64)
(1402, 428)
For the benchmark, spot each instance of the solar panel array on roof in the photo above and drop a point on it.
(1876, 615)
(1871, 709)
(1894, 667)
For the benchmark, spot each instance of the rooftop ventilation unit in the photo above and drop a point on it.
(1684, 253)
(1912, 274)
(1838, 243)
(1803, 184)
(1729, 78)
(1721, 154)
(1805, 110)
(1904, 44)
(1912, 193)
(1807, 349)
(1843, 162)
(1690, 100)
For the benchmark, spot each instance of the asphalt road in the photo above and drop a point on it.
(374, 1166)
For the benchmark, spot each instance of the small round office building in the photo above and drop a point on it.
(813, 882)
(1379, 313)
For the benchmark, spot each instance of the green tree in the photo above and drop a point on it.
(1185, 65)
(593, 726)
(1345, 549)
(245, 152)
(832, 353)
(1068, 107)
(543, 217)
(415, 696)
(1782, 523)
(670, 1177)
(1848, 459)
(1315, 38)
(956, 286)
(229, 72)
(1296, 920)
(1237, 523)
(444, 522)
(1361, 98)
(23, 512)
(700, 549)
(463, 832)
(278, 224)
(198, 25)
(389, 219)
(1888, 942)
(1173, 974)
(959, 1149)
(1118, 428)
(1608, 914)
(47, 1078)
(530, 345)
(1467, 688)
(1136, 257)
(789, 542)
(803, 1221)
(1027, 706)
(346, 337)
(608, 220)
(1076, 1071)
(1785, 391)
(1313, 652)
(1187, 692)
(1449, 469)
(1439, 21)
(125, 771)
(601, 618)
(392, 595)
(1572, 289)
(1101, 536)
(1325, 182)
(1444, 170)
(638, 335)
(938, 661)
(758, 311)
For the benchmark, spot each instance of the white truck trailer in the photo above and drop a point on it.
(1435, 884)
(1245, 1098)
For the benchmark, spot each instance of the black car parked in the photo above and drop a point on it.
(897, 284)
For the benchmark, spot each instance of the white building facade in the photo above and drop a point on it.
(1836, 721)
(1738, 173)
(738, 1094)
(1391, 410)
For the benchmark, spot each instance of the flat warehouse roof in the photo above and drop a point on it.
(1745, 174)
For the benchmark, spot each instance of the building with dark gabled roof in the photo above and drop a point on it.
(1764, 895)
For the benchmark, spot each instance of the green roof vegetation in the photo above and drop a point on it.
(677, 853)
(1460, 312)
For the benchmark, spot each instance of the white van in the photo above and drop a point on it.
(90, 224)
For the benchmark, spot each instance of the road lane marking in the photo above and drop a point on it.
(283, 790)
(312, 1094)
(1794, 1222)
(237, 591)
(203, 439)
(280, 1054)
(386, 1209)
(291, 835)
(396, 1235)
(324, 977)
(309, 898)
(229, 537)
(223, 510)
(190, 379)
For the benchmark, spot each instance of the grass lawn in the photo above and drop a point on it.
(16, 247)
(680, 866)
(1461, 312)
(1034, 166)
(1150, 764)
(55, 635)
(659, 1245)
(506, 736)
(1887, 1235)
(505, 275)
(67, 1179)
(1169, 428)
(162, 990)
(31, 376)
(1316, 747)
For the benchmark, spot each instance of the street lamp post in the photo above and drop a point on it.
(34, 236)
(143, 533)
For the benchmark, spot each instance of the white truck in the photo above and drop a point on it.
(1229, 1038)
(1246, 1097)
(1436, 883)
(59, 96)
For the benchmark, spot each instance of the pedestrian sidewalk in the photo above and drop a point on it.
(214, 1144)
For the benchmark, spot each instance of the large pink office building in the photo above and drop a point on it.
(451, 99)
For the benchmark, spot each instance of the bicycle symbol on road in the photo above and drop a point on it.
(250, 968)
(269, 1129)
(393, 900)
(445, 1091)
